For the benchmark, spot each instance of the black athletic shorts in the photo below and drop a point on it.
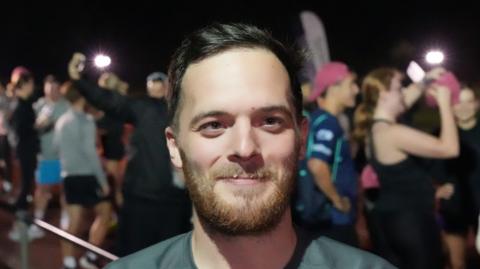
(83, 190)
(113, 148)
(454, 214)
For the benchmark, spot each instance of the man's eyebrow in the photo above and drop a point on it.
(276, 108)
(202, 115)
(217, 113)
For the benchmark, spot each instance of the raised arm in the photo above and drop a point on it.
(413, 92)
(112, 103)
(425, 145)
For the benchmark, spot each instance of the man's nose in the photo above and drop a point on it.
(245, 147)
(356, 89)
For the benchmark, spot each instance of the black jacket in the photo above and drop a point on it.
(148, 173)
(22, 122)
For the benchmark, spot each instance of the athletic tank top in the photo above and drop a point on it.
(404, 185)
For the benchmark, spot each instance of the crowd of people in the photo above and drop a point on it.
(417, 192)
(232, 137)
(71, 135)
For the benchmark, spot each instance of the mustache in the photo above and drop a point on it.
(233, 171)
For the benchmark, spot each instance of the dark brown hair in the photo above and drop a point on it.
(376, 81)
(217, 38)
(70, 92)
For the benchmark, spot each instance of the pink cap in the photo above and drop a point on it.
(17, 72)
(369, 178)
(448, 80)
(328, 75)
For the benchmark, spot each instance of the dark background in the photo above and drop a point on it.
(140, 36)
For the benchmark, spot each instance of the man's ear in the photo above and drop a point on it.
(173, 148)
(303, 138)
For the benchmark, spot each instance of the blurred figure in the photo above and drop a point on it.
(111, 134)
(156, 84)
(48, 110)
(22, 124)
(405, 206)
(84, 182)
(460, 194)
(24, 136)
(327, 186)
(154, 208)
(5, 149)
(477, 237)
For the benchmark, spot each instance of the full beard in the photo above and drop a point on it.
(253, 214)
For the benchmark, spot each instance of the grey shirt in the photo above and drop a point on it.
(75, 139)
(322, 253)
(52, 112)
(5, 110)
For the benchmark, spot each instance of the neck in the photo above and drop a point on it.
(381, 114)
(467, 124)
(157, 95)
(22, 95)
(53, 99)
(331, 106)
(271, 250)
(78, 106)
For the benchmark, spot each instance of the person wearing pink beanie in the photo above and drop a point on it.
(327, 188)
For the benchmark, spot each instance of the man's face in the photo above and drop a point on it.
(347, 91)
(51, 89)
(28, 87)
(237, 140)
(156, 88)
(467, 106)
(108, 81)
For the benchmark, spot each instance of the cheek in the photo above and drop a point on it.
(351, 94)
(392, 101)
(204, 151)
(276, 149)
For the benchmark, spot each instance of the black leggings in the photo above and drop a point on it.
(28, 164)
(5, 155)
(410, 239)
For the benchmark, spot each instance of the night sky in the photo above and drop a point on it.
(141, 36)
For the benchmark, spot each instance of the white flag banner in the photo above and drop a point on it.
(316, 38)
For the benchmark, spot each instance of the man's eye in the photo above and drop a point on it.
(273, 124)
(211, 125)
(211, 129)
(273, 121)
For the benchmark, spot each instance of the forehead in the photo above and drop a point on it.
(54, 82)
(155, 82)
(351, 78)
(398, 75)
(236, 80)
(466, 95)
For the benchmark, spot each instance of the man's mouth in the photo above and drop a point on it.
(242, 179)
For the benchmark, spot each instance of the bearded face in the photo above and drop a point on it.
(253, 208)
(237, 140)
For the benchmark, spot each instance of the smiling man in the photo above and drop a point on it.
(236, 130)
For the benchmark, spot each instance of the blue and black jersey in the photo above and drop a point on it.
(328, 143)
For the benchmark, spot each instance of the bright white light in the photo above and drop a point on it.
(434, 57)
(102, 61)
